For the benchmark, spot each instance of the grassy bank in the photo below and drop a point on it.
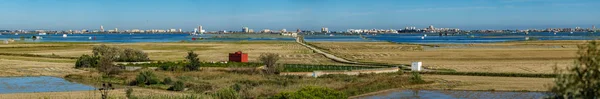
(254, 84)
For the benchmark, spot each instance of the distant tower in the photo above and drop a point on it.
(324, 30)
(593, 27)
(431, 27)
(180, 30)
(245, 30)
(117, 30)
(101, 28)
(200, 29)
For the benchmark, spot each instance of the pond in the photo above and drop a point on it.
(39, 84)
(455, 94)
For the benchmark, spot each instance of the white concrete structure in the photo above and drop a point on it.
(416, 66)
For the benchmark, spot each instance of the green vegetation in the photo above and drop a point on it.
(106, 66)
(87, 61)
(128, 93)
(270, 61)
(416, 78)
(227, 93)
(310, 68)
(119, 54)
(582, 80)
(170, 66)
(177, 86)
(146, 78)
(193, 61)
(167, 80)
(311, 92)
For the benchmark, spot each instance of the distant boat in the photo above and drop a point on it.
(64, 35)
(16, 33)
(554, 33)
(526, 32)
(90, 38)
(571, 32)
(41, 33)
(425, 35)
(330, 34)
(422, 37)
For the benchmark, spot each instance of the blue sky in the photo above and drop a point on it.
(292, 14)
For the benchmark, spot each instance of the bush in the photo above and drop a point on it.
(227, 93)
(121, 55)
(106, 66)
(583, 80)
(194, 61)
(133, 55)
(270, 61)
(129, 92)
(86, 61)
(341, 77)
(178, 86)
(416, 78)
(167, 80)
(146, 78)
(311, 93)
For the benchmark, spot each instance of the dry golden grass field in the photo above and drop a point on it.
(517, 57)
(489, 83)
(14, 65)
(94, 94)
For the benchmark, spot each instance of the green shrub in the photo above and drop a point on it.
(146, 78)
(416, 78)
(167, 80)
(200, 87)
(227, 93)
(341, 77)
(178, 86)
(193, 61)
(128, 93)
(311, 93)
(119, 54)
(133, 55)
(582, 80)
(86, 61)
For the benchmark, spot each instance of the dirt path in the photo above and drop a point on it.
(330, 56)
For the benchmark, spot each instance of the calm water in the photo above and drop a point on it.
(482, 37)
(39, 84)
(400, 38)
(454, 94)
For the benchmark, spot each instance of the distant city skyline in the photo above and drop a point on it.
(336, 15)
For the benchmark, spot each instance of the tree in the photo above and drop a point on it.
(107, 51)
(133, 55)
(270, 60)
(106, 66)
(582, 80)
(194, 61)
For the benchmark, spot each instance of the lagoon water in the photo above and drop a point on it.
(399, 38)
(455, 94)
(39, 84)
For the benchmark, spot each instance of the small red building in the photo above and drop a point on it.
(238, 57)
